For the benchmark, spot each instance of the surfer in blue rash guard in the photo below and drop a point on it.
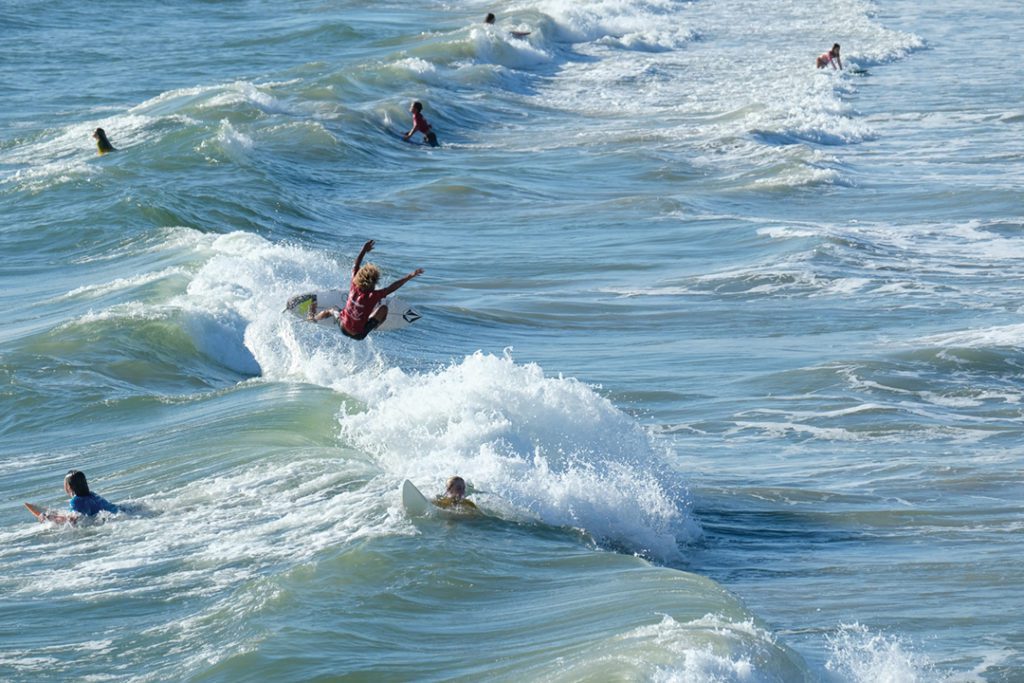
(83, 503)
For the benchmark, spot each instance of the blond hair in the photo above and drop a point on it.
(366, 277)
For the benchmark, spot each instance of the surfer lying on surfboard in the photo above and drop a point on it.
(454, 497)
(363, 311)
(83, 503)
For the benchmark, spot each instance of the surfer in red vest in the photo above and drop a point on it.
(420, 125)
(364, 310)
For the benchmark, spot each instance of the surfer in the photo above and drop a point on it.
(364, 311)
(419, 124)
(455, 496)
(830, 57)
(102, 143)
(489, 19)
(83, 503)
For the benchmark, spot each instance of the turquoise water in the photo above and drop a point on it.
(728, 347)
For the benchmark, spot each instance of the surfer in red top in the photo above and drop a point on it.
(364, 311)
(830, 57)
(420, 125)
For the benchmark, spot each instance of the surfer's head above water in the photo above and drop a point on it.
(366, 277)
(75, 483)
(454, 497)
(455, 488)
(102, 143)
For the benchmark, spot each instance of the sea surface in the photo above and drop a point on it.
(730, 349)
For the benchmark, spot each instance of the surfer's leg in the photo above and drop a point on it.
(379, 315)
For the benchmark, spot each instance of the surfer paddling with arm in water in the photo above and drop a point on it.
(83, 503)
(364, 311)
(830, 57)
(419, 124)
(102, 143)
(454, 497)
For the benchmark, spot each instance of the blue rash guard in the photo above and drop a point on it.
(90, 505)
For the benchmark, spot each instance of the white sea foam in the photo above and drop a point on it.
(69, 153)
(246, 92)
(862, 656)
(493, 46)
(548, 446)
(230, 142)
(713, 648)
(787, 108)
(991, 337)
(276, 512)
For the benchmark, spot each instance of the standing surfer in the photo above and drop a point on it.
(364, 310)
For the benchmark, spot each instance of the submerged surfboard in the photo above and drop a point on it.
(400, 314)
(414, 502)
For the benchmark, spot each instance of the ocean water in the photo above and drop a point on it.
(728, 347)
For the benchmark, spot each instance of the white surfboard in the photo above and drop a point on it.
(400, 314)
(414, 502)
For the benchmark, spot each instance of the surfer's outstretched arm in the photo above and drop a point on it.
(393, 287)
(367, 248)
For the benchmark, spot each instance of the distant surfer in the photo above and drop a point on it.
(102, 143)
(489, 19)
(830, 57)
(83, 503)
(364, 311)
(454, 497)
(420, 125)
